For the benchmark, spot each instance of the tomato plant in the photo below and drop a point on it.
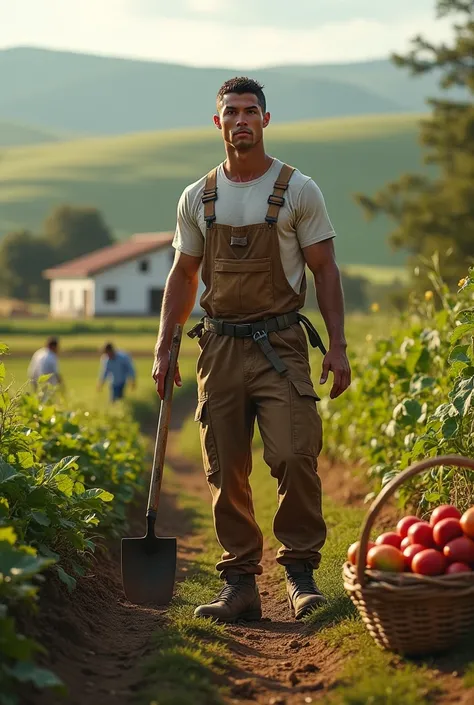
(413, 397)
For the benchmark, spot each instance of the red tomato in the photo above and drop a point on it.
(353, 551)
(460, 550)
(405, 543)
(445, 511)
(446, 530)
(390, 538)
(385, 557)
(458, 568)
(428, 562)
(410, 552)
(467, 522)
(405, 523)
(421, 532)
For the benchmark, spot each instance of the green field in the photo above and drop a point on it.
(136, 179)
(80, 364)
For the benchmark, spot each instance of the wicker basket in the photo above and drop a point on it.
(407, 613)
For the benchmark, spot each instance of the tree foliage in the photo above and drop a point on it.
(74, 231)
(436, 212)
(23, 256)
(68, 232)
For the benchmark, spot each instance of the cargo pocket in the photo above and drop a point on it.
(209, 453)
(306, 428)
(243, 285)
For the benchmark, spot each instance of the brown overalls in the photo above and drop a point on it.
(237, 382)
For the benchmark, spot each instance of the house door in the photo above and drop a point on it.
(155, 300)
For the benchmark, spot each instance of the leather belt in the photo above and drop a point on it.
(259, 332)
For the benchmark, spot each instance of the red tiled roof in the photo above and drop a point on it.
(111, 256)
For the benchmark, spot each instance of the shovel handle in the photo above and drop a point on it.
(163, 427)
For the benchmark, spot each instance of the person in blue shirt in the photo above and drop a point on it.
(117, 366)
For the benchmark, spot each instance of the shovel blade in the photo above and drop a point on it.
(149, 569)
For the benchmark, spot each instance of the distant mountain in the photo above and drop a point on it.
(99, 95)
(136, 180)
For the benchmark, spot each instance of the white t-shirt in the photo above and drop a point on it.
(44, 362)
(302, 220)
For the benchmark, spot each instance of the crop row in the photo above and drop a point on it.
(413, 397)
(66, 478)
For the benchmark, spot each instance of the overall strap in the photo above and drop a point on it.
(209, 198)
(276, 200)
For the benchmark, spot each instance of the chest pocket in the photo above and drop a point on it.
(242, 286)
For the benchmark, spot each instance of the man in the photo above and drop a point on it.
(118, 367)
(254, 223)
(45, 362)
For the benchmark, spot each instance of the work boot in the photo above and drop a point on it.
(303, 593)
(238, 599)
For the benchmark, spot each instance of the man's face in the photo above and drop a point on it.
(241, 120)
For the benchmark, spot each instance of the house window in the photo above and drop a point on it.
(111, 294)
(60, 296)
(144, 265)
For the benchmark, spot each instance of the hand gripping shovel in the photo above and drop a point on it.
(149, 562)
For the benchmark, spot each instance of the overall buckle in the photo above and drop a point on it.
(259, 335)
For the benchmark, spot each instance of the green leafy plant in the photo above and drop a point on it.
(412, 397)
(65, 480)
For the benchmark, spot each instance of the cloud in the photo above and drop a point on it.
(283, 14)
(204, 7)
(108, 27)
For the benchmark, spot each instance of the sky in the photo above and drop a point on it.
(230, 33)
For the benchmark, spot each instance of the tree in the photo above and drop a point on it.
(23, 257)
(73, 231)
(437, 213)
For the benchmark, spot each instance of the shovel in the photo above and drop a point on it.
(149, 562)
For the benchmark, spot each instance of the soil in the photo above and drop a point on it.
(97, 640)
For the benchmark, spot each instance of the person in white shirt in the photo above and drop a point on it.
(45, 362)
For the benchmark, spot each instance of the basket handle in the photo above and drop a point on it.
(456, 460)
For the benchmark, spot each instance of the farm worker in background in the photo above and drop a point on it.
(45, 362)
(254, 223)
(118, 367)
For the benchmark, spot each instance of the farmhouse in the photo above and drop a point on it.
(126, 279)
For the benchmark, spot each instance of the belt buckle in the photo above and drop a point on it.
(259, 335)
(241, 327)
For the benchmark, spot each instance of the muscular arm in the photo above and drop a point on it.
(178, 302)
(321, 260)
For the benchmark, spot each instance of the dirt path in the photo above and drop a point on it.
(275, 661)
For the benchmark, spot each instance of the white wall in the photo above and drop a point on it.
(67, 297)
(133, 285)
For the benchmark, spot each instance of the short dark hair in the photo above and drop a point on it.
(108, 348)
(52, 342)
(241, 85)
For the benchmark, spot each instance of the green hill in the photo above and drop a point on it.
(136, 179)
(14, 134)
(101, 95)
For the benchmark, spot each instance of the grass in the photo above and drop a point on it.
(136, 180)
(190, 654)
(80, 376)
